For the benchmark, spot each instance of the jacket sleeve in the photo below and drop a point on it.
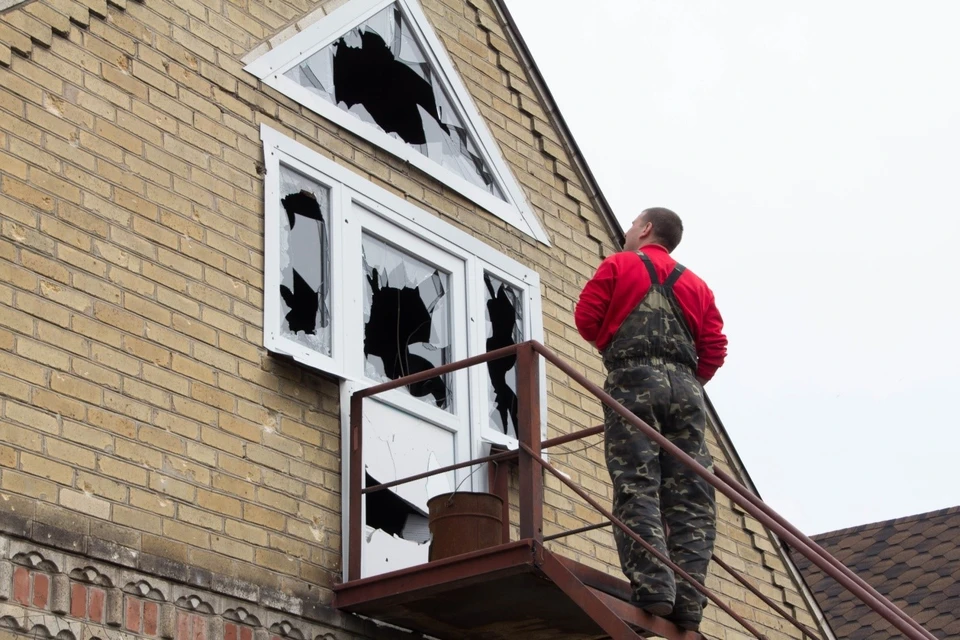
(595, 300)
(711, 343)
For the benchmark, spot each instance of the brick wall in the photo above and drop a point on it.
(137, 405)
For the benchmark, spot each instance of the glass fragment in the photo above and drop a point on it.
(305, 261)
(406, 319)
(378, 72)
(504, 328)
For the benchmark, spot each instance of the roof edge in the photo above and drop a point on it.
(885, 523)
(559, 122)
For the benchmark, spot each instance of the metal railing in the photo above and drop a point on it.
(531, 487)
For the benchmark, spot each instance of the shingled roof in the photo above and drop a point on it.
(913, 561)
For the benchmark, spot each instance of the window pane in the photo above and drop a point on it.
(504, 328)
(305, 261)
(379, 73)
(406, 318)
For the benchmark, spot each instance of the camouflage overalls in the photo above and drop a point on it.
(651, 364)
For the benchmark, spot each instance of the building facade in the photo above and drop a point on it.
(208, 217)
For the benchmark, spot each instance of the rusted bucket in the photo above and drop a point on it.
(462, 522)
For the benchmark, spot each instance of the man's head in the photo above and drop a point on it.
(654, 226)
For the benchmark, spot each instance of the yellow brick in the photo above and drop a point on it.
(76, 388)
(41, 308)
(19, 191)
(90, 437)
(100, 486)
(118, 137)
(259, 515)
(43, 354)
(137, 519)
(172, 487)
(114, 359)
(185, 533)
(20, 437)
(199, 518)
(240, 468)
(46, 468)
(32, 486)
(147, 351)
(112, 422)
(246, 532)
(166, 379)
(122, 470)
(147, 393)
(219, 503)
(240, 427)
(139, 454)
(118, 318)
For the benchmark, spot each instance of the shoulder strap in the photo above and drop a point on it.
(672, 279)
(654, 278)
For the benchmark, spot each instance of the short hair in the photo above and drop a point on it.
(667, 226)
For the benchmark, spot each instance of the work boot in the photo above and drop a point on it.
(686, 618)
(652, 606)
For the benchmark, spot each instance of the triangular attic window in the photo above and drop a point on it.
(376, 68)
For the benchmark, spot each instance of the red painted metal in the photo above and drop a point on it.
(531, 487)
(355, 533)
(640, 618)
(506, 455)
(528, 417)
(811, 545)
(442, 370)
(878, 603)
(406, 584)
(650, 549)
(587, 600)
(573, 532)
(500, 481)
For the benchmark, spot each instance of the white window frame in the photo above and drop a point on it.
(271, 67)
(356, 203)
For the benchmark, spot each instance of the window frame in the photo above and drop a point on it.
(271, 67)
(346, 189)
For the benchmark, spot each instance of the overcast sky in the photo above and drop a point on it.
(813, 152)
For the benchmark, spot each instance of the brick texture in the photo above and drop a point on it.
(131, 203)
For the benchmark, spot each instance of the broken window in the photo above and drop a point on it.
(504, 328)
(392, 514)
(305, 261)
(406, 319)
(379, 73)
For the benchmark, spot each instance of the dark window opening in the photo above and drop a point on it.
(379, 73)
(504, 328)
(407, 319)
(392, 514)
(305, 261)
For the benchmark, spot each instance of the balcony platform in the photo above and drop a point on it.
(515, 591)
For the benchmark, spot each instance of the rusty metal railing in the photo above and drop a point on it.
(531, 487)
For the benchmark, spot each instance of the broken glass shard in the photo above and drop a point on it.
(379, 73)
(392, 514)
(304, 261)
(406, 319)
(504, 328)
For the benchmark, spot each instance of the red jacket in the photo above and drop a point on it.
(621, 282)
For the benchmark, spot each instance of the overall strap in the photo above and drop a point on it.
(654, 278)
(672, 279)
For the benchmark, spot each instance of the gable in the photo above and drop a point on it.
(376, 68)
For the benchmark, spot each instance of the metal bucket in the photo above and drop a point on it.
(462, 522)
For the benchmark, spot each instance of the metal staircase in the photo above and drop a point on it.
(520, 590)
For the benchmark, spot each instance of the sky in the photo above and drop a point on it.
(813, 153)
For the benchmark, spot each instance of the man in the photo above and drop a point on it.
(661, 338)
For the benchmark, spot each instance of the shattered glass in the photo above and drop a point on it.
(407, 319)
(504, 328)
(305, 261)
(378, 72)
